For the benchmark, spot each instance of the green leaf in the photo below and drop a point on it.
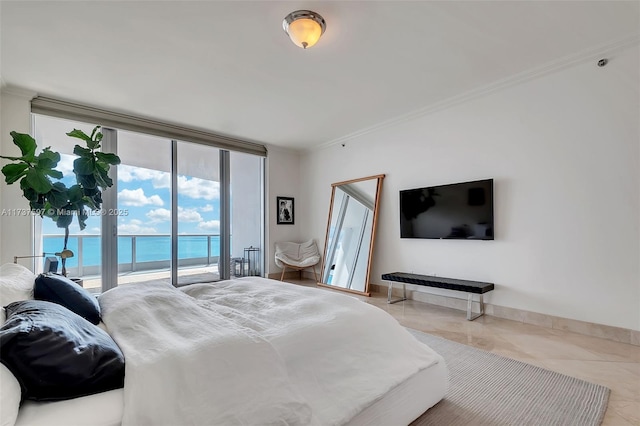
(96, 137)
(38, 181)
(102, 178)
(75, 133)
(64, 220)
(83, 166)
(89, 202)
(75, 194)
(109, 158)
(93, 132)
(53, 173)
(24, 184)
(89, 191)
(86, 181)
(26, 143)
(48, 159)
(30, 194)
(59, 187)
(37, 206)
(58, 198)
(82, 218)
(82, 152)
(94, 201)
(13, 172)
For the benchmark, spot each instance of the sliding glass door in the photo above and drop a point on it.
(178, 211)
(144, 207)
(198, 212)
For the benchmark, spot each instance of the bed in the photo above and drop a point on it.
(253, 351)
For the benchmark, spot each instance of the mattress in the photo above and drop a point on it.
(407, 401)
(400, 406)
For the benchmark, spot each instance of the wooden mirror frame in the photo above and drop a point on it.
(366, 291)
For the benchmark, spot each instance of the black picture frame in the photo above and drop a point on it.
(285, 210)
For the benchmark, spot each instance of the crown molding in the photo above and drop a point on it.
(568, 61)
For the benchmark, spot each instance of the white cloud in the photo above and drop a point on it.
(130, 173)
(198, 188)
(188, 215)
(206, 208)
(65, 165)
(133, 227)
(184, 215)
(125, 173)
(163, 181)
(212, 226)
(159, 215)
(191, 187)
(136, 198)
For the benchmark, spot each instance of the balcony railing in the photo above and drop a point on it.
(136, 253)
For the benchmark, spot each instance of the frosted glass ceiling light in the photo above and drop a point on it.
(304, 27)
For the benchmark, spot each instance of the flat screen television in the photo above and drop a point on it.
(456, 211)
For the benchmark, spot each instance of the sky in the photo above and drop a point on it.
(144, 203)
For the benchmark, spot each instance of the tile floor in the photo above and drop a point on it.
(608, 363)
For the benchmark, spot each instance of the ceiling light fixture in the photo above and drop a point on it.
(304, 27)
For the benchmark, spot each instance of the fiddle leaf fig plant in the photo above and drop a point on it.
(47, 195)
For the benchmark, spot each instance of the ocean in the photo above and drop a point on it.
(148, 248)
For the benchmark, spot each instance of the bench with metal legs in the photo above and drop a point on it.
(469, 287)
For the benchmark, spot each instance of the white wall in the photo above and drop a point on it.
(283, 180)
(564, 152)
(15, 231)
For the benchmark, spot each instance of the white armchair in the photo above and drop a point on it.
(297, 256)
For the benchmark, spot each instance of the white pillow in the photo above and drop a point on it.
(16, 283)
(9, 397)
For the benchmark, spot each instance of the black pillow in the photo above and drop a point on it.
(61, 290)
(56, 354)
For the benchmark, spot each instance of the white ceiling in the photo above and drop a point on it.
(228, 67)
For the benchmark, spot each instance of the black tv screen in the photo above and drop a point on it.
(456, 211)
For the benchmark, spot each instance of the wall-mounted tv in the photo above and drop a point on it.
(456, 211)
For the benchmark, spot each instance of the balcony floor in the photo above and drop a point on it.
(185, 276)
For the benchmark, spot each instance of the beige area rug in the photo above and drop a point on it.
(489, 389)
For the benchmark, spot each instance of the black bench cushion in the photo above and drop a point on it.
(439, 282)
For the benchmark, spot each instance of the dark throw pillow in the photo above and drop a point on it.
(56, 354)
(61, 290)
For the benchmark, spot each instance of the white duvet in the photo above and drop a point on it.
(254, 351)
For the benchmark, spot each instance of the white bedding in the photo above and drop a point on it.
(254, 351)
(101, 409)
(400, 406)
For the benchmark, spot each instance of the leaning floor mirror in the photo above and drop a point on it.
(351, 231)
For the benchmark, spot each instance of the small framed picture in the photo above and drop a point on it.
(285, 210)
